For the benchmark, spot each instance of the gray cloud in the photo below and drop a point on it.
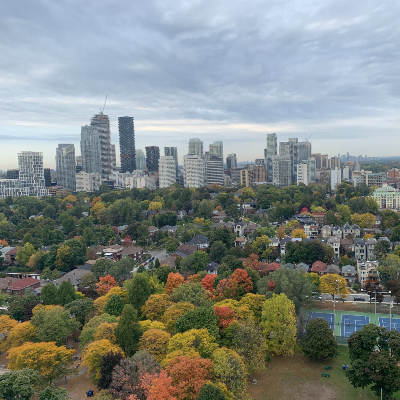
(302, 67)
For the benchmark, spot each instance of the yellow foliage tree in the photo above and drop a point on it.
(94, 353)
(261, 246)
(155, 206)
(198, 221)
(6, 325)
(155, 341)
(363, 220)
(155, 306)
(101, 302)
(39, 307)
(368, 236)
(69, 199)
(299, 233)
(21, 333)
(190, 353)
(97, 208)
(50, 361)
(334, 285)
(291, 224)
(199, 340)
(173, 312)
(62, 253)
(280, 232)
(242, 310)
(148, 324)
(106, 331)
(254, 302)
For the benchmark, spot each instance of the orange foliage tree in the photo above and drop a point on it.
(236, 286)
(225, 316)
(161, 388)
(208, 282)
(252, 262)
(105, 284)
(173, 281)
(189, 375)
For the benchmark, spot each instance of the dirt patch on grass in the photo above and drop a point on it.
(310, 391)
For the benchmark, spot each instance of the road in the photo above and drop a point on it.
(350, 297)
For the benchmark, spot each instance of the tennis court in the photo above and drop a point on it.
(385, 322)
(352, 323)
(326, 316)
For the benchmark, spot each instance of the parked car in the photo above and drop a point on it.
(359, 299)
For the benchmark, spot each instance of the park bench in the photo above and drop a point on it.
(325, 375)
(329, 367)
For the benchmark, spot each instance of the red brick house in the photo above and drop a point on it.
(319, 268)
(18, 287)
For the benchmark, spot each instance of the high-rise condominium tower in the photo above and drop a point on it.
(304, 151)
(173, 152)
(193, 171)
(127, 144)
(214, 163)
(140, 160)
(102, 123)
(65, 166)
(282, 170)
(271, 151)
(31, 172)
(196, 147)
(291, 149)
(167, 171)
(217, 150)
(91, 149)
(152, 157)
(231, 161)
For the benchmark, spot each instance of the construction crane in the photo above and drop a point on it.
(105, 101)
(308, 138)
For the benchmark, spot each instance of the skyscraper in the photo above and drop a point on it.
(193, 171)
(127, 143)
(152, 157)
(167, 171)
(304, 151)
(217, 149)
(290, 149)
(113, 158)
(65, 166)
(91, 149)
(231, 161)
(102, 123)
(173, 152)
(140, 160)
(196, 147)
(272, 146)
(282, 170)
(214, 171)
(31, 173)
(47, 177)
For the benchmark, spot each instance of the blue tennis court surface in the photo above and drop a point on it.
(326, 316)
(352, 323)
(385, 322)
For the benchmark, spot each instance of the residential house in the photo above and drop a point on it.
(152, 232)
(169, 229)
(18, 287)
(212, 268)
(9, 257)
(319, 218)
(326, 231)
(378, 222)
(274, 266)
(366, 271)
(181, 214)
(370, 248)
(359, 249)
(302, 267)
(186, 249)
(350, 274)
(334, 242)
(250, 228)
(136, 253)
(218, 216)
(355, 231)
(332, 269)
(337, 231)
(75, 277)
(5, 282)
(169, 260)
(311, 230)
(346, 245)
(318, 267)
(201, 241)
(239, 228)
(240, 242)
(283, 243)
(346, 230)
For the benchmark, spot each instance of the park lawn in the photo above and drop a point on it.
(296, 377)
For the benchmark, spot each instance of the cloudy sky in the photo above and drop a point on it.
(230, 70)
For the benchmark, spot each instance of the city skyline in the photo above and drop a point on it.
(201, 70)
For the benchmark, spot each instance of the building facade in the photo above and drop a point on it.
(167, 171)
(31, 172)
(281, 171)
(12, 173)
(65, 166)
(214, 170)
(231, 161)
(387, 197)
(152, 157)
(195, 147)
(140, 160)
(193, 171)
(127, 150)
(172, 152)
(102, 123)
(87, 182)
(91, 149)
(252, 174)
(12, 188)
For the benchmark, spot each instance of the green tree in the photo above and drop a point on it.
(205, 209)
(48, 294)
(81, 309)
(66, 293)
(344, 213)
(382, 248)
(128, 331)
(196, 262)
(122, 270)
(51, 393)
(210, 392)
(319, 343)
(218, 251)
(114, 305)
(278, 323)
(101, 268)
(18, 384)
(171, 244)
(191, 292)
(139, 290)
(163, 272)
(17, 304)
(24, 253)
(375, 355)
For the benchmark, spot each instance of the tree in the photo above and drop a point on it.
(108, 362)
(88, 281)
(128, 331)
(218, 251)
(21, 333)
(278, 323)
(101, 267)
(280, 232)
(17, 304)
(382, 248)
(173, 312)
(163, 273)
(18, 384)
(205, 209)
(225, 316)
(329, 253)
(48, 294)
(319, 343)
(191, 292)
(51, 362)
(114, 305)
(51, 393)
(81, 309)
(94, 353)
(155, 306)
(261, 246)
(375, 354)
(388, 268)
(139, 291)
(236, 286)
(66, 293)
(161, 388)
(334, 285)
(299, 233)
(174, 280)
(252, 262)
(230, 369)
(200, 318)
(211, 392)
(155, 341)
(24, 253)
(344, 213)
(105, 284)
(6, 326)
(91, 326)
(196, 262)
(189, 375)
(54, 325)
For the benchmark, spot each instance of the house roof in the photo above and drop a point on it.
(333, 239)
(370, 241)
(23, 283)
(169, 260)
(187, 249)
(198, 239)
(12, 252)
(346, 226)
(75, 276)
(4, 282)
(240, 239)
(318, 266)
(346, 242)
(349, 269)
(359, 242)
(131, 250)
(332, 269)
(274, 266)
(355, 227)
(302, 266)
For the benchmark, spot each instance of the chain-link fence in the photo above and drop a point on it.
(367, 307)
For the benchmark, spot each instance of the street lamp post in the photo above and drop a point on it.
(390, 315)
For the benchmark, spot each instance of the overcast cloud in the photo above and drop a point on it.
(218, 70)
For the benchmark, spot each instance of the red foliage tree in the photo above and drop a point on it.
(161, 388)
(271, 285)
(225, 316)
(195, 278)
(236, 286)
(189, 375)
(252, 262)
(208, 282)
(115, 229)
(105, 284)
(173, 281)
(304, 209)
(127, 241)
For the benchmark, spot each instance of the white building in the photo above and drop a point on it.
(66, 166)
(87, 182)
(167, 171)
(387, 197)
(141, 182)
(193, 171)
(336, 178)
(31, 172)
(302, 174)
(281, 171)
(12, 188)
(215, 171)
(346, 173)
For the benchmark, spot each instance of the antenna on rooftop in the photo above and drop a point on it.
(105, 101)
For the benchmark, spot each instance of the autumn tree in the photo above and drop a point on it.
(280, 232)
(236, 286)
(173, 312)
(252, 261)
(209, 391)
(225, 316)
(208, 282)
(6, 325)
(299, 233)
(128, 330)
(51, 362)
(334, 285)
(24, 253)
(161, 388)
(261, 245)
(173, 281)
(105, 331)
(191, 292)
(89, 329)
(155, 306)
(108, 362)
(155, 341)
(105, 284)
(94, 353)
(21, 333)
(278, 324)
